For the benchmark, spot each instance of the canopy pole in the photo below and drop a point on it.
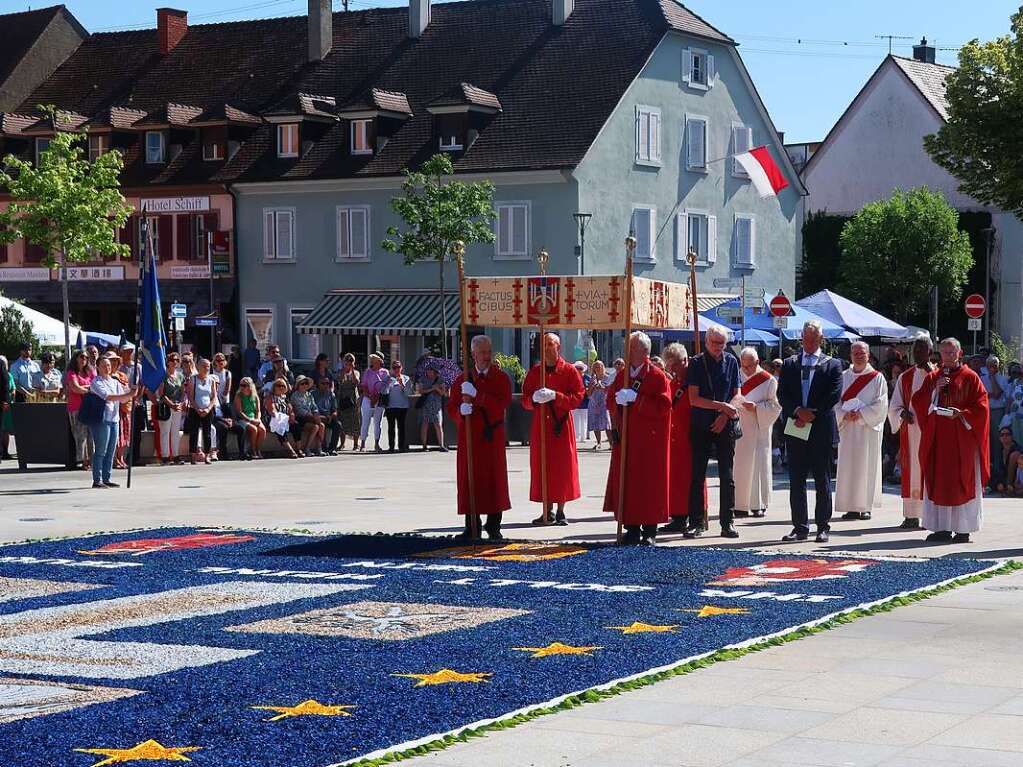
(542, 258)
(458, 251)
(630, 247)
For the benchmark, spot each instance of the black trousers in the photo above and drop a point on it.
(492, 525)
(203, 424)
(333, 433)
(237, 428)
(807, 458)
(396, 416)
(701, 440)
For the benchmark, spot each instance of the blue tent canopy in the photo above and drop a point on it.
(753, 336)
(851, 316)
(106, 340)
(764, 321)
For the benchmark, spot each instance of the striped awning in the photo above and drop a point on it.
(387, 312)
(707, 301)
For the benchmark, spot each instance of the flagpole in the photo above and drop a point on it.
(136, 356)
(623, 430)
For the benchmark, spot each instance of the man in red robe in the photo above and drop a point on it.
(676, 360)
(478, 406)
(952, 409)
(646, 403)
(553, 405)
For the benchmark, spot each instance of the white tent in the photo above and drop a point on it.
(49, 330)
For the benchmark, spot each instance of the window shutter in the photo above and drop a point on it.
(285, 234)
(742, 140)
(344, 248)
(711, 72)
(641, 226)
(752, 240)
(696, 153)
(712, 239)
(185, 238)
(652, 234)
(269, 236)
(655, 136)
(681, 236)
(518, 233)
(165, 227)
(504, 228)
(643, 133)
(687, 66)
(359, 233)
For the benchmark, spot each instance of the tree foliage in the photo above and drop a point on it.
(894, 251)
(15, 330)
(982, 140)
(822, 253)
(66, 205)
(438, 211)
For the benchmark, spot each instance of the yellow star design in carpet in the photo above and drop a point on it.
(643, 628)
(447, 676)
(557, 648)
(305, 708)
(708, 611)
(148, 751)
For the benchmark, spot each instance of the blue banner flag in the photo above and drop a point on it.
(152, 352)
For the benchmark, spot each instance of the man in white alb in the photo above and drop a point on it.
(904, 423)
(759, 411)
(861, 413)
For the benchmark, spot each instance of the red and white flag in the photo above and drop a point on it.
(763, 171)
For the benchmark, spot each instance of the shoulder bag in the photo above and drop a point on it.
(91, 411)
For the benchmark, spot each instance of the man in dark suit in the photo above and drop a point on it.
(809, 387)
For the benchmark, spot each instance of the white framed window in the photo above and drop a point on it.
(696, 143)
(353, 233)
(512, 235)
(744, 241)
(648, 135)
(278, 234)
(287, 140)
(304, 346)
(644, 225)
(99, 145)
(360, 137)
(42, 144)
(212, 151)
(742, 141)
(696, 230)
(449, 142)
(201, 247)
(698, 69)
(156, 152)
(154, 237)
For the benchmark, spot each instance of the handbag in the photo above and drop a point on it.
(91, 411)
(163, 411)
(733, 428)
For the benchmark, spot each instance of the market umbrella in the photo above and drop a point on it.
(851, 315)
(764, 321)
(49, 330)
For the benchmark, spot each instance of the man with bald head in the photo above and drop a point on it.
(860, 413)
(552, 404)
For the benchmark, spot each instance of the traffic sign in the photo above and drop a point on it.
(753, 295)
(731, 314)
(781, 323)
(179, 324)
(975, 305)
(781, 306)
(974, 324)
(207, 321)
(179, 311)
(727, 282)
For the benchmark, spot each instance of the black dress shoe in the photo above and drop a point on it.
(795, 535)
(961, 538)
(495, 536)
(541, 521)
(646, 540)
(822, 536)
(631, 538)
(729, 531)
(692, 532)
(560, 520)
(910, 523)
(942, 536)
(465, 536)
(865, 515)
(110, 484)
(851, 515)
(740, 513)
(759, 512)
(677, 525)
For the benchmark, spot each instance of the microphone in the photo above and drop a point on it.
(946, 372)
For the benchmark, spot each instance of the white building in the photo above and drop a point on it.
(877, 147)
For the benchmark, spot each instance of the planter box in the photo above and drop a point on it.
(42, 433)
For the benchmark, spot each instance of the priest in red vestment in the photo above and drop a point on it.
(478, 406)
(676, 360)
(552, 407)
(952, 409)
(646, 403)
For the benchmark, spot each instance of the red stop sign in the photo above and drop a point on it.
(975, 306)
(780, 306)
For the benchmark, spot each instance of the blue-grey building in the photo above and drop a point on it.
(628, 110)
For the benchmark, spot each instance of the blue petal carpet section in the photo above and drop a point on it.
(236, 648)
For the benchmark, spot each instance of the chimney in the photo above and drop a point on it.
(171, 26)
(561, 10)
(924, 52)
(321, 29)
(418, 17)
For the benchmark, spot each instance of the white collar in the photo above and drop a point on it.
(815, 356)
(634, 371)
(483, 372)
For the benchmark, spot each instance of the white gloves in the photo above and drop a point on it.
(465, 408)
(853, 405)
(468, 389)
(540, 396)
(625, 396)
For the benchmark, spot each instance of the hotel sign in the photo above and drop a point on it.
(174, 204)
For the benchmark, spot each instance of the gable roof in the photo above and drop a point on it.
(929, 79)
(551, 88)
(21, 31)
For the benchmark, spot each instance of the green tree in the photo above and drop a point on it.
(822, 253)
(894, 251)
(14, 331)
(70, 207)
(438, 212)
(981, 141)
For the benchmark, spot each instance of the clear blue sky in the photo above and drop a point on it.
(808, 58)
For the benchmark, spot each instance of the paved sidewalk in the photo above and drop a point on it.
(936, 684)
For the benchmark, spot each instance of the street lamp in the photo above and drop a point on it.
(582, 220)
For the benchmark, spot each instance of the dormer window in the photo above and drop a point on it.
(156, 151)
(42, 144)
(212, 150)
(449, 142)
(99, 145)
(287, 140)
(362, 136)
(450, 131)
